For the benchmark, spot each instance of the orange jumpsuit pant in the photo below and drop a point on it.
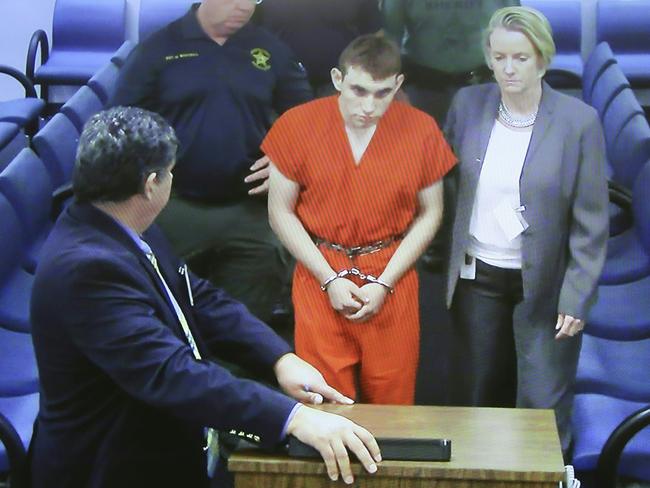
(378, 358)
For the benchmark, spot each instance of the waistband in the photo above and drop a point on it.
(355, 251)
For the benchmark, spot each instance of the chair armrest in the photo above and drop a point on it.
(15, 452)
(620, 196)
(30, 91)
(39, 39)
(611, 452)
(60, 196)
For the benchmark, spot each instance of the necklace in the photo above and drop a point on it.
(513, 121)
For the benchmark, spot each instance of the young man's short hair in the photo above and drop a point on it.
(373, 53)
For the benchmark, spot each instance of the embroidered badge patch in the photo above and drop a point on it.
(261, 58)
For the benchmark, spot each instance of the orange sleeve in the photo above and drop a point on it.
(437, 157)
(283, 146)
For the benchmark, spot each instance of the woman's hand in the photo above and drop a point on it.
(568, 326)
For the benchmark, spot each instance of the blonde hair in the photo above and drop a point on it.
(531, 23)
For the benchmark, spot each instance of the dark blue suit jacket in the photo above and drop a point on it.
(123, 401)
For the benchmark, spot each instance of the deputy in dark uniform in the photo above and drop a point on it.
(220, 80)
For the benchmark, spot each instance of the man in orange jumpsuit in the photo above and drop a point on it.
(356, 196)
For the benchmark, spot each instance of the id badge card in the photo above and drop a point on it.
(510, 220)
(468, 268)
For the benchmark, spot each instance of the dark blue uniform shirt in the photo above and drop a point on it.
(220, 99)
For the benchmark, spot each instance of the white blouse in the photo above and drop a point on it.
(498, 188)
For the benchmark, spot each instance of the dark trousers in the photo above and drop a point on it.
(483, 345)
(504, 354)
(233, 246)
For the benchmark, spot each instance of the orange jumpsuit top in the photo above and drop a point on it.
(352, 204)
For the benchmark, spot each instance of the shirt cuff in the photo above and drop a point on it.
(289, 419)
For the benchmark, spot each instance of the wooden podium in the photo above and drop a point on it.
(491, 447)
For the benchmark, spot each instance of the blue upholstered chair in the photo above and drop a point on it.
(566, 21)
(85, 35)
(613, 393)
(27, 186)
(18, 370)
(595, 419)
(622, 311)
(626, 27)
(17, 417)
(599, 59)
(122, 53)
(81, 106)
(56, 144)
(23, 111)
(8, 133)
(621, 110)
(103, 82)
(630, 151)
(609, 84)
(18, 403)
(155, 14)
(15, 282)
(614, 368)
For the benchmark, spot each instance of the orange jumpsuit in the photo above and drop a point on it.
(352, 205)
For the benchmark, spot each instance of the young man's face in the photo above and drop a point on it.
(363, 100)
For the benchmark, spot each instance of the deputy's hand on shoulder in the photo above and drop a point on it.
(330, 435)
(305, 383)
(376, 295)
(260, 172)
(345, 296)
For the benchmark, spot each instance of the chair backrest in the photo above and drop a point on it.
(612, 368)
(81, 106)
(28, 187)
(103, 82)
(622, 108)
(624, 25)
(12, 238)
(122, 53)
(630, 151)
(611, 82)
(8, 130)
(155, 14)
(80, 25)
(565, 19)
(599, 59)
(641, 205)
(56, 144)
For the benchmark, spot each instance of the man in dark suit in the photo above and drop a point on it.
(123, 334)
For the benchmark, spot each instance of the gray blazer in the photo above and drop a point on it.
(562, 186)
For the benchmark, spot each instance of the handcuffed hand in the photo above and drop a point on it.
(376, 294)
(345, 296)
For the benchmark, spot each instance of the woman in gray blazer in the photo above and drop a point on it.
(530, 226)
